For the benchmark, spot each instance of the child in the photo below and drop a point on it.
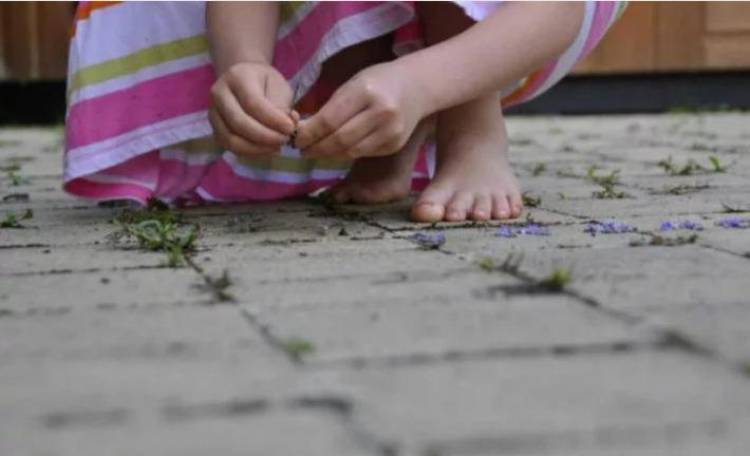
(144, 106)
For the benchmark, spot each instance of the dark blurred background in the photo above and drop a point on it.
(660, 56)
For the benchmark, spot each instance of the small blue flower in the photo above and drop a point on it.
(690, 225)
(684, 225)
(608, 227)
(428, 240)
(666, 226)
(734, 222)
(532, 229)
(504, 231)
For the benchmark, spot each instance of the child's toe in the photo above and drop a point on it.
(430, 206)
(459, 206)
(500, 207)
(482, 207)
(515, 202)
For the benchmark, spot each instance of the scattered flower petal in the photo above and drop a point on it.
(504, 231)
(608, 227)
(734, 223)
(532, 229)
(684, 225)
(428, 240)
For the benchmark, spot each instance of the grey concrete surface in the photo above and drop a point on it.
(338, 335)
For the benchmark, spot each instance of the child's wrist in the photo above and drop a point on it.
(225, 64)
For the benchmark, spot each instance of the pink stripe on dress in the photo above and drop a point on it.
(144, 104)
(602, 16)
(224, 184)
(108, 191)
(299, 46)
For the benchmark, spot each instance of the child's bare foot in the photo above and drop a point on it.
(473, 179)
(375, 180)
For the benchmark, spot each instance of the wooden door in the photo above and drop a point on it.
(675, 36)
(34, 39)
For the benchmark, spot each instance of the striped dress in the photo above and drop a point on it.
(138, 90)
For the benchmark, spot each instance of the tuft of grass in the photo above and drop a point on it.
(487, 264)
(218, 286)
(16, 179)
(664, 241)
(13, 220)
(607, 182)
(691, 167)
(557, 280)
(538, 169)
(682, 189)
(157, 228)
(530, 200)
(716, 165)
(297, 347)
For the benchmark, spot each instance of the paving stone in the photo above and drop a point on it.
(129, 288)
(723, 329)
(524, 405)
(278, 433)
(485, 321)
(144, 334)
(309, 268)
(353, 288)
(80, 258)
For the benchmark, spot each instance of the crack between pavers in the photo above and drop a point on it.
(340, 407)
(609, 437)
(271, 339)
(64, 271)
(34, 312)
(745, 256)
(426, 358)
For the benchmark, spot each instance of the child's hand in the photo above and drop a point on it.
(372, 114)
(250, 109)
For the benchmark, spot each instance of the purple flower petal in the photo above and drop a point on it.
(504, 231)
(532, 229)
(734, 223)
(666, 226)
(684, 225)
(608, 227)
(428, 240)
(690, 225)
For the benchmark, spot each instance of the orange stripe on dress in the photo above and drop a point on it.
(526, 88)
(85, 9)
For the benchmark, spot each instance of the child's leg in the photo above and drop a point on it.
(374, 179)
(473, 177)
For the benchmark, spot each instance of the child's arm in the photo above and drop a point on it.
(516, 39)
(250, 101)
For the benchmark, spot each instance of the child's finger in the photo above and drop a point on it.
(253, 101)
(330, 118)
(229, 141)
(351, 133)
(279, 93)
(245, 126)
(374, 145)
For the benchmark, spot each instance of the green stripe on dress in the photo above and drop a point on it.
(131, 63)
